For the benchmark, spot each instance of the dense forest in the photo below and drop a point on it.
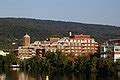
(13, 29)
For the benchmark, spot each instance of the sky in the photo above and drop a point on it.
(86, 11)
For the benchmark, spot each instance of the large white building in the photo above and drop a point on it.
(111, 48)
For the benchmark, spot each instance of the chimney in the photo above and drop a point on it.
(70, 33)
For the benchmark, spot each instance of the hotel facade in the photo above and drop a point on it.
(78, 45)
(73, 45)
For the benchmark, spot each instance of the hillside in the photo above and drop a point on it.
(13, 29)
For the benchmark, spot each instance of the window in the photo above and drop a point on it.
(85, 41)
(117, 49)
(92, 44)
(93, 41)
(75, 47)
(88, 41)
(74, 40)
(85, 44)
(71, 40)
(72, 50)
(88, 47)
(72, 47)
(75, 44)
(88, 44)
(66, 40)
(71, 44)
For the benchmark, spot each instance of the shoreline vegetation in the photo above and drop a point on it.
(60, 62)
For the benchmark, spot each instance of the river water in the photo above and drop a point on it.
(16, 74)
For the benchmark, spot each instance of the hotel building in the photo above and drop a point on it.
(73, 45)
(78, 45)
(28, 50)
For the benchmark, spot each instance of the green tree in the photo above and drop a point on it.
(93, 64)
(2, 61)
(69, 64)
(10, 59)
(81, 63)
(106, 66)
(55, 60)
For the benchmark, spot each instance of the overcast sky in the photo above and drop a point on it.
(86, 11)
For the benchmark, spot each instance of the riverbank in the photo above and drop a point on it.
(59, 62)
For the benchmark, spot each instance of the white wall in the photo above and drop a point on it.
(116, 48)
(3, 53)
(116, 56)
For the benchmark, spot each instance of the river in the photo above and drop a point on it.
(16, 74)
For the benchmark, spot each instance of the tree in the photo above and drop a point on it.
(106, 66)
(2, 61)
(10, 59)
(81, 63)
(93, 64)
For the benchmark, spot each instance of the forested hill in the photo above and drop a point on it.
(13, 29)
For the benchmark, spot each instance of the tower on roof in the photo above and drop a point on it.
(70, 33)
(26, 40)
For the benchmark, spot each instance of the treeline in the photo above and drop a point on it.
(13, 29)
(59, 62)
(9, 59)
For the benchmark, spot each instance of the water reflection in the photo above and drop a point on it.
(17, 74)
(2, 76)
(47, 77)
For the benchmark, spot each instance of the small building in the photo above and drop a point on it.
(3, 53)
(111, 48)
(28, 50)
